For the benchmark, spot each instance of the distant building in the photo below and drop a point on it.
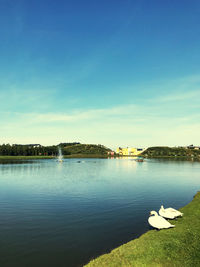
(29, 145)
(111, 153)
(129, 151)
(193, 147)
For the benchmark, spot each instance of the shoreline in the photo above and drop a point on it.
(177, 246)
(51, 157)
(182, 158)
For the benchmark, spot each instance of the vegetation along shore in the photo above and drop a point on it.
(177, 246)
(78, 150)
(35, 151)
(172, 152)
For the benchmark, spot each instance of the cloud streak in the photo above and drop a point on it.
(168, 119)
(120, 125)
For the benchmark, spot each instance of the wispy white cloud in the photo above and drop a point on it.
(123, 125)
(164, 120)
(191, 95)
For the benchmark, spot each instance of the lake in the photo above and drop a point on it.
(64, 214)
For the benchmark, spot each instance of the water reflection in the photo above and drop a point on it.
(15, 161)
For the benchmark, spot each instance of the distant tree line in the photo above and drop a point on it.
(29, 150)
(39, 150)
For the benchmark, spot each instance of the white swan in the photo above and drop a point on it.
(169, 213)
(158, 222)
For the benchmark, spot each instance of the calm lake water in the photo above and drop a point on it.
(64, 214)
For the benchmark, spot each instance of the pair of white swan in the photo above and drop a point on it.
(160, 222)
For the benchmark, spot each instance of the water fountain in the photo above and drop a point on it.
(60, 156)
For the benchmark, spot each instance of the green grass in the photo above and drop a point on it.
(86, 156)
(179, 246)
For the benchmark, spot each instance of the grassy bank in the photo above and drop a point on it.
(52, 157)
(179, 246)
(86, 156)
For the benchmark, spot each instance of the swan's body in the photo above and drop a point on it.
(158, 222)
(169, 213)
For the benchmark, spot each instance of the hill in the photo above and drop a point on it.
(85, 149)
(172, 152)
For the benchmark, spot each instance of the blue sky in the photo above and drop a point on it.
(112, 72)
